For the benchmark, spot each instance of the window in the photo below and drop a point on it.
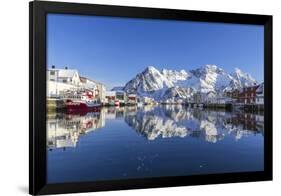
(52, 73)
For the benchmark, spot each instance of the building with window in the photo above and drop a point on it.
(233, 94)
(132, 99)
(68, 76)
(110, 97)
(97, 88)
(69, 80)
(247, 95)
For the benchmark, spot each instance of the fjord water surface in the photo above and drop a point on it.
(152, 141)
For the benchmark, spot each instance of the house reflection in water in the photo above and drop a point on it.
(64, 129)
(118, 112)
(243, 124)
(153, 122)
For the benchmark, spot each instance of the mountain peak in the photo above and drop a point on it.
(210, 66)
(174, 76)
(244, 79)
(151, 68)
(183, 71)
(237, 70)
(165, 71)
(206, 69)
(148, 81)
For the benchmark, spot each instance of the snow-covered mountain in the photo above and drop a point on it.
(177, 121)
(148, 81)
(212, 78)
(172, 84)
(175, 76)
(243, 79)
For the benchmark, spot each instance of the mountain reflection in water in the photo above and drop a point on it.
(154, 122)
(166, 140)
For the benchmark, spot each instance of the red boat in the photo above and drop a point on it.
(116, 103)
(82, 102)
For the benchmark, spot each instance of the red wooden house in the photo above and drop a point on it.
(247, 95)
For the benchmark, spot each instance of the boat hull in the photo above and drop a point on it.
(81, 106)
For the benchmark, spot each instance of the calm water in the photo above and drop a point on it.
(131, 142)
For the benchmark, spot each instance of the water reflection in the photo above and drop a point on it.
(64, 129)
(170, 121)
(157, 122)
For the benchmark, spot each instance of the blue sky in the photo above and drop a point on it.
(113, 50)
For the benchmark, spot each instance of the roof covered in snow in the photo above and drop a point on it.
(67, 73)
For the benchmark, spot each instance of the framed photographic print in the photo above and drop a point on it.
(130, 97)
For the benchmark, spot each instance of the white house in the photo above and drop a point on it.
(110, 97)
(97, 87)
(68, 76)
(223, 100)
(87, 83)
(60, 80)
(146, 100)
(132, 99)
(55, 89)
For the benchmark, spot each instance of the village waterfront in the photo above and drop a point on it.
(67, 89)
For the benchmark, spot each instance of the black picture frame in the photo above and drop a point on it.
(37, 99)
